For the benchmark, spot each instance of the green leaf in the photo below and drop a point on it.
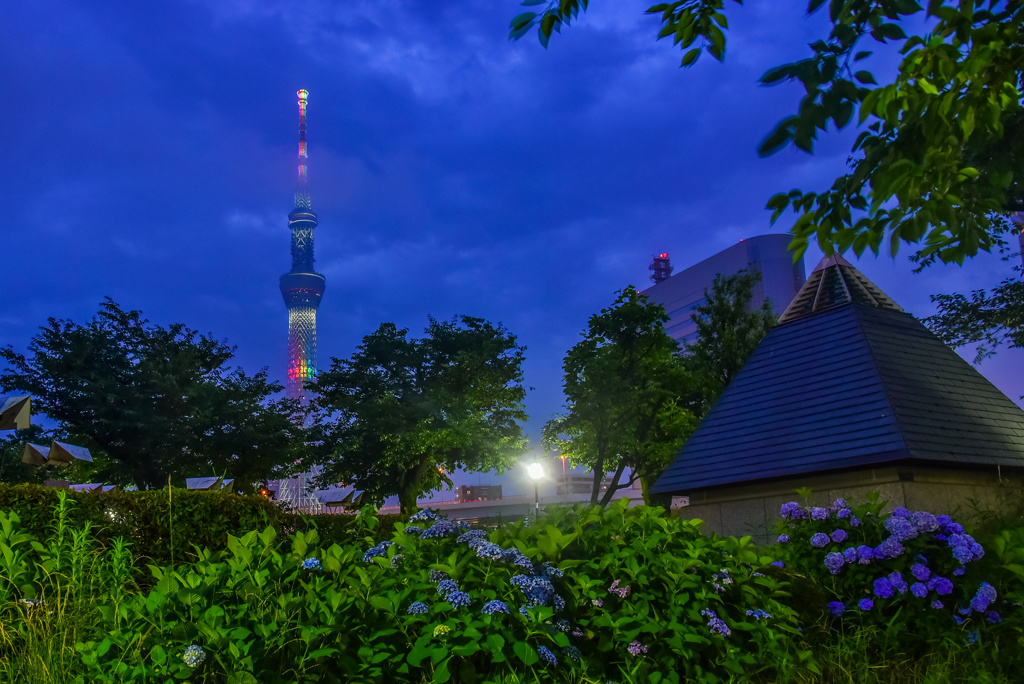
(865, 77)
(690, 57)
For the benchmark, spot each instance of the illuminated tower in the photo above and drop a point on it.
(302, 287)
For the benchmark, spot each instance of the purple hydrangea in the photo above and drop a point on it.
(799, 514)
(900, 528)
(839, 504)
(834, 562)
(985, 596)
(783, 538)
(940, 585)
(920, 571)
(901, 512)
(818, 513)
(943, 520)
(952, 528)
(445, 587)
(866, 604)
(778, 564)
(919, 589)
(924, 521)
(636, 648)
(494, 606)
(993, 617)
(937, 605)
(890, 548)
(758, 614)
(788, 508)
(819, 540)
(854, 521)
(458, 599)
(843, 513)
(959, 571)
(839, 536)
(836, 608)
(898, 583)
(883, 588)
(865, 554)
(850, 555)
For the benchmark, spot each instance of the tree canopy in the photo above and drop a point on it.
(728, 332)
(156, 401)
(401, 413)
(623, 385)
(940, 156)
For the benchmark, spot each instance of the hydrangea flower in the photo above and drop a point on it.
(436, 576)
(525, 613)
(839, 504)
(972, 637)
(469, 536)
(758, 614)
(311, 564)
(818, 513)
(441, 630)
(378, 550)
(937, 605)
(866, 604)
(850, 555)
(621, 592)
(854, 521)
(715, 623)
(924, 521)
(424, 515)
(843, 513)
(920, 571)
(900, 528)
(547, 656)
(418, 608)
(489, 551)
(598, 602)
(993, 617)
(559, 603)
(839, 536)
(919, 589)
(819, 540)
(901, 512)
(563, 626)
(952, 528)
(834, 562)
(865, 554)
(413, 530)
(883, 588)
(943, 520)
(636, 648)
(194, 655)
(396, 560)
(458, 599)
(788, 509)
(783, 538)
(890, 548)
(447, 586)
(836, 608)
(516, 557)
(778, 564)
(494, 606)
(573, 653)
(898, 583)
(538, 590)
(985, 596)
(550, 570)
(443, 528)
(940, 585)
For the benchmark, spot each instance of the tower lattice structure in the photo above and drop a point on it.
(302, 287)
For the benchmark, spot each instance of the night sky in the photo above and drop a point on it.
(149, 151)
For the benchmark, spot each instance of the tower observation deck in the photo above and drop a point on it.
(301, 287)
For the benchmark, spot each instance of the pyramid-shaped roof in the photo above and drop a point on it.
(847, 380)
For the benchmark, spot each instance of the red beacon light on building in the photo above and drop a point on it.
(660, 268)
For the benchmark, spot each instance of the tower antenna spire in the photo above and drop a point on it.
(302, 287)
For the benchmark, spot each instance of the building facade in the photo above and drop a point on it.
(681, 293)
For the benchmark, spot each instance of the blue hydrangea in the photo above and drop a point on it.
(839, 504)
(194, 655)
(572, 653)
(834, 562)
(943, 520)
(424, 515)
(311, 564)
(940, 585)
(866, 604)
(985, 596)
(458, 599)
(550, 570)
(920, 571)
(396, 560)
(413, 530)
(783, 538)
(993, 617)
(563, 626)
(443, 528)
(445, 587)
(378, 550)
(883, 588)
(839, 536)
(778, 564)
(715, 623)
(418, 608)
(919, 589)
(547, 656)
(818, 513)
(559, 603)
(836, 608)
(494, 606)
(854, 521)
(525, 613)
(469, 536)
(937, 605)
(898, 583)
(952, 528)
(489, 551)
(758, 614)
(865, 554)
(436, 576)
(901, 512)
(972, 637)
(819, 540)
(850, 555)
(900, 528)
(843, 513)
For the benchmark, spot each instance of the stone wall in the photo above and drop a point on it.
(754, 509)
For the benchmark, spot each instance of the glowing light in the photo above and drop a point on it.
(535, 470)
(303, 96)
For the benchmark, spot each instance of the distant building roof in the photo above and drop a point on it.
(848, 380)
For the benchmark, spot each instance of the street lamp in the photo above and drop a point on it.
(536, 471)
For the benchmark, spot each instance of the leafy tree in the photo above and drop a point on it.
(401, 413)
(985, 319)
(155, 402)
(623, 384)
(728, 332)
(939, 156)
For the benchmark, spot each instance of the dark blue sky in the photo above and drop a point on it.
(148, 154)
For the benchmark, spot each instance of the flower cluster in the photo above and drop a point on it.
(441, 630)
(424, 515)
(621, 592)
(436, 576)
(378, 550)
(311, 564)
(194, 655)
(538, 590)
(573, 653)
(494, 606)
(715, 623)
(758, 614)
(418, 608)
(443, 527)
(547, 656)
(636, 648)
